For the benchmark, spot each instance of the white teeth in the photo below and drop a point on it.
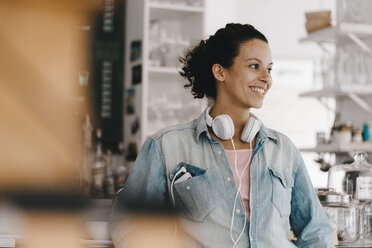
(261, 91)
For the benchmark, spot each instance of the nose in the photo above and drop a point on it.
(265, 76)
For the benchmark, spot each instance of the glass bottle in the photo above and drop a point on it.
(109, 182)
(122, 171)
(98, 169)
(85, 175)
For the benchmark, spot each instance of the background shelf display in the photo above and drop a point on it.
(345, 71)
(340, 148)
(342, 91)
(164, 30)
(173, 11)
(354, 92)
(172, 71)
(326, 35)
(333, 34)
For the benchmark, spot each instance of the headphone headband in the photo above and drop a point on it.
(223, 126)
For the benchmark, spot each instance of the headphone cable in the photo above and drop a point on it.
(237, 194)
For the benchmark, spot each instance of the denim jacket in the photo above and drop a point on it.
(281, 193)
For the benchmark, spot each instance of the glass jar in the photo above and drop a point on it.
(365, 232)
(343, 215)
(354, 179)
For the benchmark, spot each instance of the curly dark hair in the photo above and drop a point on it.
(221, 48)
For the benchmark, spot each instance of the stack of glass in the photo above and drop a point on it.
(350, 200)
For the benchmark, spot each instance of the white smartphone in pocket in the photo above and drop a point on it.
(184, 177)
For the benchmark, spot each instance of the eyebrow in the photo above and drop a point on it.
(271, 63)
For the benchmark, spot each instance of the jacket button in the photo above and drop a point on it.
(238, 211)
(188, 187)
(220, 152)
(228, 179)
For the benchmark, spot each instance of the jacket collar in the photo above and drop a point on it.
(201, 128)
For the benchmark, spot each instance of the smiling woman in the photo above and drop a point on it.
(236, 182)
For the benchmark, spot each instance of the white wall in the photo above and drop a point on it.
(218, 13)
(283, 22)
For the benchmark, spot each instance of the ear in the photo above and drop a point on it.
(218, 72)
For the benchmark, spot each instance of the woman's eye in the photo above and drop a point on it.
(269, 70)
(254, 66)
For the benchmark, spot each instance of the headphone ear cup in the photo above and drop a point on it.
(223, 127)
(250, 130)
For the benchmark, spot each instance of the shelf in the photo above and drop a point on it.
(7, 240)
(173, 11)
(163, 74)
(10, 240)
(354, 92)
(340, 148)
(353, 31)
(176, 7)
(326, 35)
(177, 23)
(360, 29)
(331, 34)
(163, 70)
(101, 202)
(344, 90)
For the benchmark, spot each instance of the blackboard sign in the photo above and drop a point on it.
(108, 72)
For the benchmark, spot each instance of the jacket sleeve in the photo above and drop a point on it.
(308, 219)
(147, 183)
(144, 190)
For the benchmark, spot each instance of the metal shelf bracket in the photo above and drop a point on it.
(360, 43)
(358, 100)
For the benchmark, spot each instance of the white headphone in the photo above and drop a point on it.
(223, 127)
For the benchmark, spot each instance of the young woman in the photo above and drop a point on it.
(237, 183)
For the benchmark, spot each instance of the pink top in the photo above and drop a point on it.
(242, 158)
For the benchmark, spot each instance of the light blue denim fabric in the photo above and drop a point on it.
(281, 193)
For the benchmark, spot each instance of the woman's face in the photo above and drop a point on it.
(248, 79)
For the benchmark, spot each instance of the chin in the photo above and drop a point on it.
(255, 105)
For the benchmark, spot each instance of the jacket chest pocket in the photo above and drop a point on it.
(194, 196)
(281, 192)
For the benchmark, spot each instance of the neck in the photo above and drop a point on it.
(239, 116)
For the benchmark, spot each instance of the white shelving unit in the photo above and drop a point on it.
(353, 100)
(160, 98)
(165, 70)
(342, 91)
(353, 92)
(340, 148)
(173, 11)
(326, 35)
(344, 30)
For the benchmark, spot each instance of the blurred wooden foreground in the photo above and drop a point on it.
(40, 133)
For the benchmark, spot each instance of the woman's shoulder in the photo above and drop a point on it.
(282, 139)
(174, 130)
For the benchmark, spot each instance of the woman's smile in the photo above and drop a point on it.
(261, 92)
